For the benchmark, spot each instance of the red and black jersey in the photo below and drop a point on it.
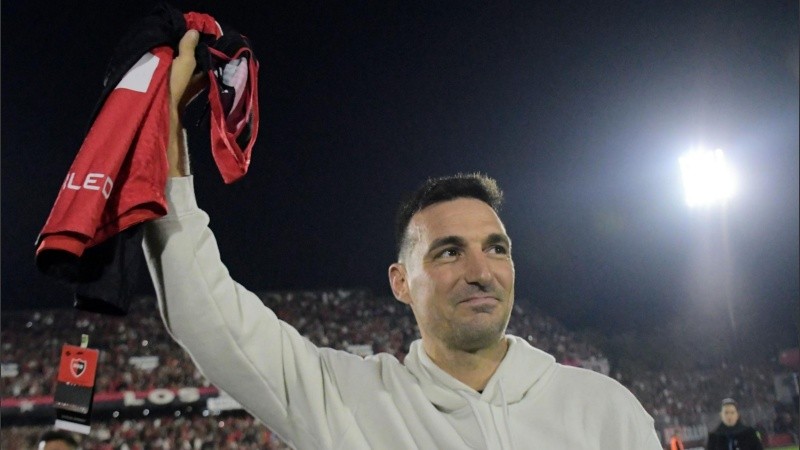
(117, 180)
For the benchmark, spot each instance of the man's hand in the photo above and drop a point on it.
(184, 85)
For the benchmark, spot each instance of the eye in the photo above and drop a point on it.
(447, 253)
(498, 249)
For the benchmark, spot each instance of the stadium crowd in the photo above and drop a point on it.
(32, 340)
(680, 397)
(229, 431)
(353, 320)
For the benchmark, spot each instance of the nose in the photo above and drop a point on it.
(477, 270)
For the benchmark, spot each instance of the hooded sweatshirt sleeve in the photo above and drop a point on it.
(237, 342)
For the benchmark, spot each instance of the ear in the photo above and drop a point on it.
(398, 280)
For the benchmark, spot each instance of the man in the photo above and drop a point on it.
(465, 384)
(57, 440)
(731, 434)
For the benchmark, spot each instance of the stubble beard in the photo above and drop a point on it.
(477, 335)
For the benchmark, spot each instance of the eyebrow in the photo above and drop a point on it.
(447, 240)
(458, 241)
(497, 238)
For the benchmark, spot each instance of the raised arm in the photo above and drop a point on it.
(238, 343)
(184, 85)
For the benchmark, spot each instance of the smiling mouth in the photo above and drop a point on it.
(479, 302)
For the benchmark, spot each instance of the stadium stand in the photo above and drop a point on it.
(150, 395)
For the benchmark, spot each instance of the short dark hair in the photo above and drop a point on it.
(59, 435)
(442, 189)
(729, 401)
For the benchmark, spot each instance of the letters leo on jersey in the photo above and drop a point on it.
(118, 177)
(92, 181)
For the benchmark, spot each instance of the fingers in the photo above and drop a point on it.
(183, 66)
(188, 43)
(185, 58)
(183, 85)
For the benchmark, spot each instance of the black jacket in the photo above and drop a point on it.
(740, 436)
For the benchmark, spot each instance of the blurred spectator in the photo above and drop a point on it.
(57, 440)
(675, 442)
(732, 433)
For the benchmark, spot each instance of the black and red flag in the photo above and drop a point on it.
(75, 388)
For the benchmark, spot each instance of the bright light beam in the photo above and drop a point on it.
(707, 178)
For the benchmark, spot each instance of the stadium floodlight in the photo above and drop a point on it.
(707, 178)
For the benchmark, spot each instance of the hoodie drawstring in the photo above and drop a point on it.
(482, 426)
(477, 415)
(506, 416)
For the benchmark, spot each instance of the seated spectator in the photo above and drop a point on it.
(57, 440)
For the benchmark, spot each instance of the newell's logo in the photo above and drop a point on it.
(78, 367)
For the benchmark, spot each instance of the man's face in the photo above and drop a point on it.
(457, 274)
(729, 415)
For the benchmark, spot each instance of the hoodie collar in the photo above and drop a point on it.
(737, 428)
(521, 369)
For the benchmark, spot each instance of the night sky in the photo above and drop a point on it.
(580, 110)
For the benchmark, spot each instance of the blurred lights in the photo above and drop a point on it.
(707, 178)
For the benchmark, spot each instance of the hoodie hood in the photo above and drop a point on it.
(523, 368)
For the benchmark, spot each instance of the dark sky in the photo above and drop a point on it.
(579, 109)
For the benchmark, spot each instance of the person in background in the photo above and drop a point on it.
(675, 442)
(732, 434)
(57, 440)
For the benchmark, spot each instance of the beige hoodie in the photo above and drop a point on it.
(318, 398)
